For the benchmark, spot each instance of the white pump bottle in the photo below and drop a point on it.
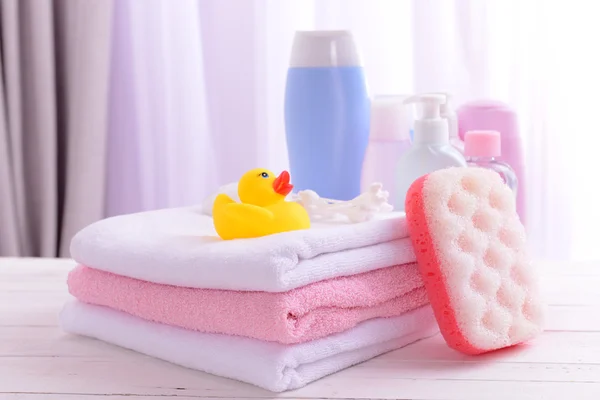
(431, 149)
(448, 113)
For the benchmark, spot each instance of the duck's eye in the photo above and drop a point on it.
(264, 175)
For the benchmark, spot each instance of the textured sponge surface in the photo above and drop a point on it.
(472, 252)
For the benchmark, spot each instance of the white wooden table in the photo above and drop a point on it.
(38, 361)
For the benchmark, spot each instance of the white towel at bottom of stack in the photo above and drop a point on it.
(272, 366)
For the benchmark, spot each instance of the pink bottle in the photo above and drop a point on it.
(482, 149)
(496, 116)
(389, 138)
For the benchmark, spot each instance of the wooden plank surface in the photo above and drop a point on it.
(39, 361)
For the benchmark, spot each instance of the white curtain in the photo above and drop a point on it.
(197, 92)
(160, 149)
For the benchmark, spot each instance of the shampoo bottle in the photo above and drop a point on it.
(327, 110)
(431, 149)
(389, 138)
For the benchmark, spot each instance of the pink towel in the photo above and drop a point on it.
(306, 313)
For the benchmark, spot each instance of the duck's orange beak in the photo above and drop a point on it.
(282, 185)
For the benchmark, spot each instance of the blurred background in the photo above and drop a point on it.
(112, 107)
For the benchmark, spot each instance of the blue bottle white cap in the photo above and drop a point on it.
(324, 49)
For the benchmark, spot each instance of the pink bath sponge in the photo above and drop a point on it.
(471, 250)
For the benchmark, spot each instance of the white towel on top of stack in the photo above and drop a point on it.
(179, 246)
(273, 366)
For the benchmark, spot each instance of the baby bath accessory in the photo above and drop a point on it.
(431, 149)
(497, 116)
(180, 246)
(471, 249)
(447, 112)
(373, 203)
(306, 313)
(272, 366)
(262, 209)
(482, 149)
(389, 138)
(360, 209)
(326, 114)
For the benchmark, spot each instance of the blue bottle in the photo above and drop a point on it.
(326, 114)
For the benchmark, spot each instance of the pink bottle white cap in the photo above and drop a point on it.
(483, 144)
(391, 119)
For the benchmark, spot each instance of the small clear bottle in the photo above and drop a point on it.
(482, 149)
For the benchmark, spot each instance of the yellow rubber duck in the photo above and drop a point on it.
(263, 209)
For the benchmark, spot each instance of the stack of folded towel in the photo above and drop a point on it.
(278, 311)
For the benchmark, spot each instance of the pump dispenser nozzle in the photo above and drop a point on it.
(430, 128)
(445, 108)
(448, 113)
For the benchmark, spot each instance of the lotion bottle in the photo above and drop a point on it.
(389, 138)
(327, 113)
(448, 113)
(431, 149)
